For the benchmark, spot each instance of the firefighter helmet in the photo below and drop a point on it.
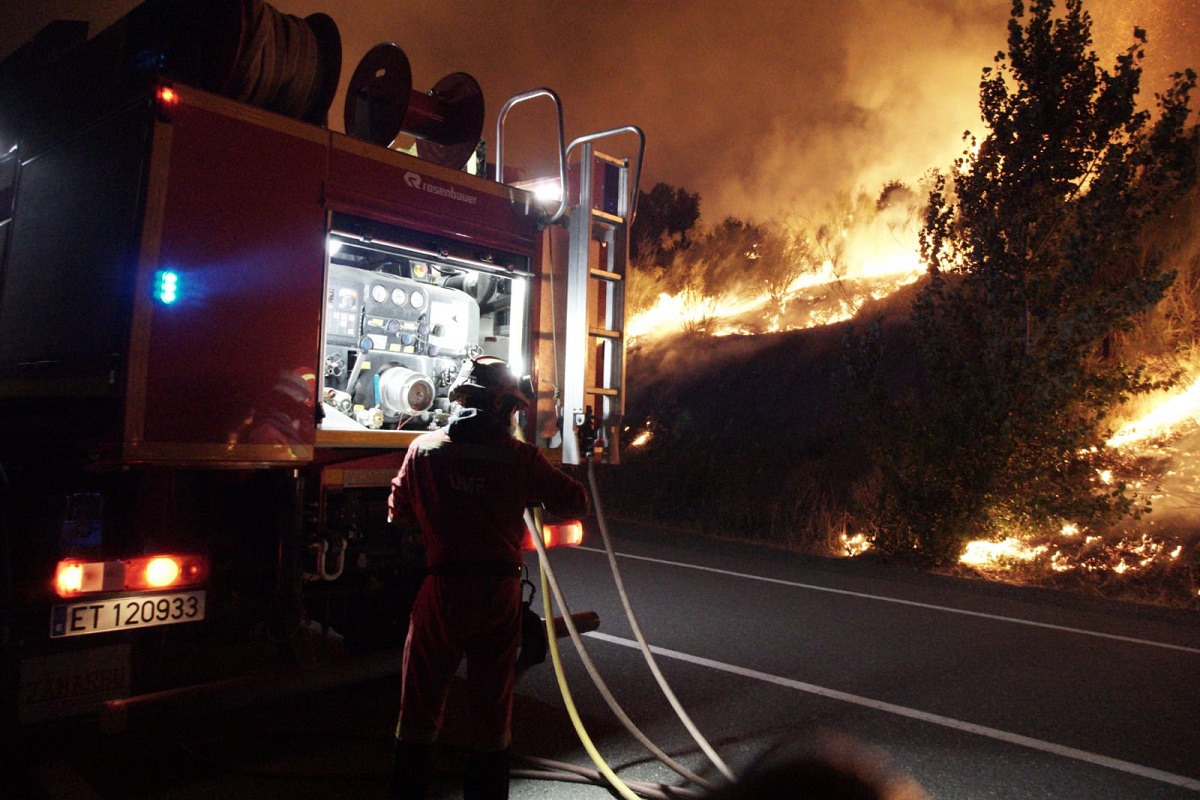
(490, 376)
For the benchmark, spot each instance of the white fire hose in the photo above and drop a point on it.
(550, 586)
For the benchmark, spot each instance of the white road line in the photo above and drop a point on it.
(924, 716)
(898, 601)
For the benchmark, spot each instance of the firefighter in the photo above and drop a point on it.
(467, 486)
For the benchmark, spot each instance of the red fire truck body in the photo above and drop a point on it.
(245, 331)
(220, 327)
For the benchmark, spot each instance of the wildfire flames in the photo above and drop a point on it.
(822, 299)
(1168, 414)
(878, 261)
(1172, 420)
(830, 296)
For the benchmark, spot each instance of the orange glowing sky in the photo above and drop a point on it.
(764, 108)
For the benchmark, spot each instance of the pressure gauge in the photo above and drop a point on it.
(379, 293)
(418, 300)
(399, 298)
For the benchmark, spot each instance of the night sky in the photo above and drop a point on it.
(766, 108)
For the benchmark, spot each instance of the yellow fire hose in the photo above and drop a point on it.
(534, 521)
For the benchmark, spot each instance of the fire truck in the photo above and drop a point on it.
(222, 322)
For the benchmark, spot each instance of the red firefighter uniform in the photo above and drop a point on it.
(468, 486)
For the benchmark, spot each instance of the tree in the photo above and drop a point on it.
(739, 259)
(779, 259)
(1032, 246)
(728, 253)
(665, 218)
(732, 260)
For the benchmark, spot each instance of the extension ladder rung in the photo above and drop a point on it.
(605, 275)
(603, 392)
(604, 333)
(604, 218)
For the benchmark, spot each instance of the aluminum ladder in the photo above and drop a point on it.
(593, 393)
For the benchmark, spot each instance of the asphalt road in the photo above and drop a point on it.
(974, 690)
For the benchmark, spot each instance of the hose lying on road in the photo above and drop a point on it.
(535, 527)
(549, 770)
(550, 587)
(590, 665)
(641, 639)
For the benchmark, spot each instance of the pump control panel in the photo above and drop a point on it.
(401, 316)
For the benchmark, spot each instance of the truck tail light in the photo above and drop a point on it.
(166, 100)
(562, 534)
(141, 573)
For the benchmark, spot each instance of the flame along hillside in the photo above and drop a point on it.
(736, 424)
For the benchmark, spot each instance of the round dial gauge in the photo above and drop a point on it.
(399, 297)
(418, 300)
(379, 293)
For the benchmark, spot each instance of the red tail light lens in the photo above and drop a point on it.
(165, 572)
(141, 573)
(567, 534)
(167, 99)
(562, 534)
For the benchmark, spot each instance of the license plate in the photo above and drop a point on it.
(126, 613)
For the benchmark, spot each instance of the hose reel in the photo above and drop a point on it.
(381, 104)
(249, 51)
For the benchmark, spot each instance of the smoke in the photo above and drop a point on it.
(764, 108)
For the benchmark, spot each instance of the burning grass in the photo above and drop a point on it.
(1155, 558)
(812, 301)
(788, 497)
(1160, 567)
